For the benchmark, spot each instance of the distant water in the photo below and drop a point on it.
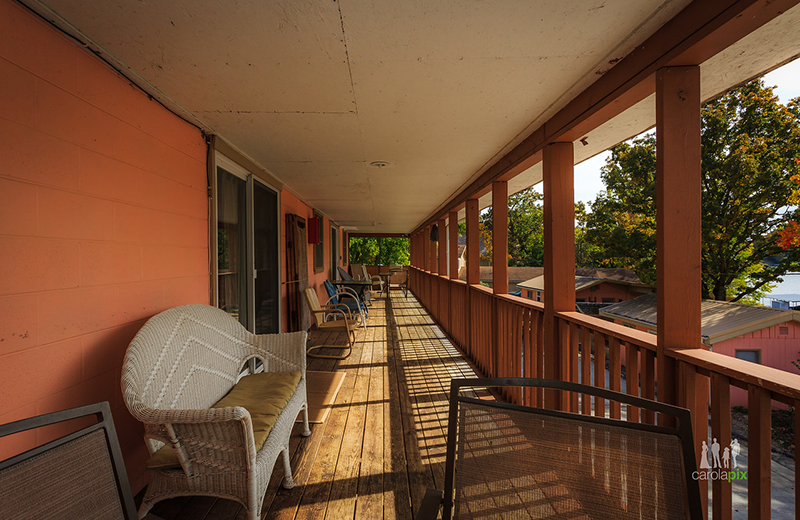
(789, 289)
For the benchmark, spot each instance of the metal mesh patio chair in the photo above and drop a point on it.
(360, 271)
(78, 475)
(327, 317)
(510, 461)
(346, 298)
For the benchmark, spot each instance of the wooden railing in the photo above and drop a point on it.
(502, 335)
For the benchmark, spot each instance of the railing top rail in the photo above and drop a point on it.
(776, 381)
(772, 379)
(621, 332)
(519, 300)
(481, 288)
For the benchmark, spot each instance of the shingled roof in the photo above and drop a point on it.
(588, 276)
(719, 320)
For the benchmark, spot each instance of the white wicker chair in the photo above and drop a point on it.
(182, 362)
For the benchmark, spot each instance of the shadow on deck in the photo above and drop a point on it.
(384, 441)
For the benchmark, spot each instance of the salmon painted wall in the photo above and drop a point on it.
(290, 203)
(103, 223)
(777, 350)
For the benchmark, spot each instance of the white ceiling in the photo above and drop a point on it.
(315, 90)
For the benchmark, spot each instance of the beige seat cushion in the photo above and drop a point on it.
(263, 395)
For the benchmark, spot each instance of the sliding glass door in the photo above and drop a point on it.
(232, 245)
(248, 233)
(266, 271)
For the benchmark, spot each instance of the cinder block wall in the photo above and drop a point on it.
(103, 223)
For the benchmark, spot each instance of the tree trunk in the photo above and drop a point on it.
(720, 291)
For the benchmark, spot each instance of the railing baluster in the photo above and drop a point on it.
(648, 383)
(722, 501)
(632, 378)
(599, 371)
(586, 368)
(759, 447)
(565, 351)
(614, 373)
(573, 364)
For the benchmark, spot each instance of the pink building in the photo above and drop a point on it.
(594, 285)
(762, 335)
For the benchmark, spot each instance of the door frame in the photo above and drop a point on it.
(229, 165)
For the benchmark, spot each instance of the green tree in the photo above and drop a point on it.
(749, 144)
(526, 231)
(374, 251)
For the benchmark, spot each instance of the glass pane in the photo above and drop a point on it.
(232, 245)
(266, 226)
(334, 253)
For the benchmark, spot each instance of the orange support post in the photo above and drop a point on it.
(559, 257)
(473, 243)
(678, 203)
(452, 244)
(500, 237)
(431, 251)
(442, 246)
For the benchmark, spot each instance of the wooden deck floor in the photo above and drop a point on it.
(384, 441)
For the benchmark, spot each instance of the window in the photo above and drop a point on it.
(753, 356)
(248, 248)
(538, 296)
(319, 249)
(580, 300)
(530, 295)
(783, 330)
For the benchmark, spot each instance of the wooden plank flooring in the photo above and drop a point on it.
(384, 441)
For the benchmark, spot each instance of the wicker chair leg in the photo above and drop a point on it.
(288, 483)
(306, 429)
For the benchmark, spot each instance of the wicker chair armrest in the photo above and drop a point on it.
(203, 415)
(223, 442)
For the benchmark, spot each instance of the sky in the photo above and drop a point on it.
(587, 173)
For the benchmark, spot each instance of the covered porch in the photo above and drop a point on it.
(144, 141)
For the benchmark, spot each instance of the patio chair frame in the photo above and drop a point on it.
(105, 422)
(349, 293)
(433, 498)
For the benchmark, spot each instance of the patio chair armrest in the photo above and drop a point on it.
(341, 293)
(431, 503)
(332, 309)
(350, 293)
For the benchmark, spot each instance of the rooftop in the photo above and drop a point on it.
(720, 320)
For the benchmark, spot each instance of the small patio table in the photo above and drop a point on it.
(359, 286)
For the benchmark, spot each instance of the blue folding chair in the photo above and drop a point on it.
(349, 298)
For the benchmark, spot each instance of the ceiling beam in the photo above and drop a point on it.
(698, 32)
